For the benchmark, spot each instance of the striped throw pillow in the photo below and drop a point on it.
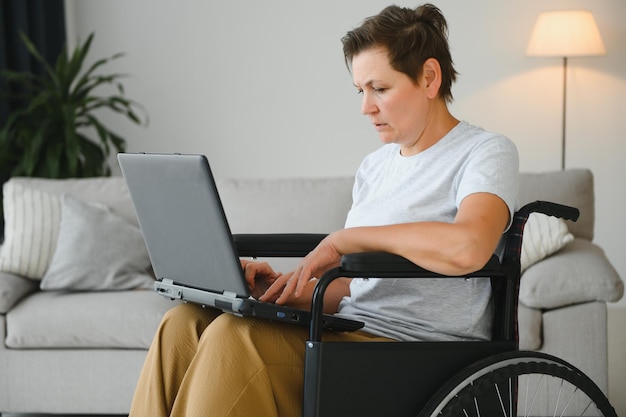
(32, 218)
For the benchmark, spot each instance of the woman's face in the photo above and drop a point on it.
(397, 107)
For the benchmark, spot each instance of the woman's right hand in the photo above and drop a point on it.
(259, 276)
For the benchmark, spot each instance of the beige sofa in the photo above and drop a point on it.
(74, 334)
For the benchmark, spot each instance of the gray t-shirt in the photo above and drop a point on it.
(429, 186)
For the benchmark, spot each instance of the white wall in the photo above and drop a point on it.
(261, 88)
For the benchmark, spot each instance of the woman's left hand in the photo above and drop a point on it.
(291, 285)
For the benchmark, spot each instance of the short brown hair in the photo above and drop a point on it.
(410, 36)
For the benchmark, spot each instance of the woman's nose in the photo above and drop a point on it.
(367, 105)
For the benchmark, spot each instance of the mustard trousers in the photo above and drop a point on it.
(203, 363)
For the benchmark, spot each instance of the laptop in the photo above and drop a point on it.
(189, 242)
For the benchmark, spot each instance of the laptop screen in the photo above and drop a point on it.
(183, 221)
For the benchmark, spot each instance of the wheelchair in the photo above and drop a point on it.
(428, 379)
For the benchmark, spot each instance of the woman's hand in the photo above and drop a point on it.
(259, 276)
(292, 285)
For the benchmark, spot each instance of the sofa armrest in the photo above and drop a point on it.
(13, 288)
(578, 273)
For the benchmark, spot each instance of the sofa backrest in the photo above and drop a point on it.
(319, 205)
(289, 205)
(316, 205)
(572, 187)
(110, 191)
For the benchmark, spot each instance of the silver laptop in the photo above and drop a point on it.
(189, 241)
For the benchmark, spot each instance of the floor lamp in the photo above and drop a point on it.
(565, 34)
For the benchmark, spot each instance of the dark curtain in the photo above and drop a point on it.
(43, 21)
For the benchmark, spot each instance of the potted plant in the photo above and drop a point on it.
(57, 133)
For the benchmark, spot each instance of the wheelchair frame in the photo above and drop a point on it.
(406, 378)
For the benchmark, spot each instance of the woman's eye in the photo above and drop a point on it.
(375, 90)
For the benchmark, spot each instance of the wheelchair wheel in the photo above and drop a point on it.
(519, 384)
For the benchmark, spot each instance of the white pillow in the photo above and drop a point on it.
(96, 250)
(578, 273)
(31, 228)
(543, 236)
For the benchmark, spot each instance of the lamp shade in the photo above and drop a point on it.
(565, 34)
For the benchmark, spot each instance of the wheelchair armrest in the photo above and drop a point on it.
(276, 245)
(372, 264)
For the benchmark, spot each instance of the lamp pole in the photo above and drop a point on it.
(564, 112)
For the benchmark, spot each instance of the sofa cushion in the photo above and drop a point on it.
(96, 250)
(12, 289)
(572, 187)
(122, 319)
(579, 273)
(33, 213)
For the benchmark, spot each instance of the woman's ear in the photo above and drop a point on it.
(431, 75)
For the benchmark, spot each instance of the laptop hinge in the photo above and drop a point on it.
(167, 281)
(230, 294)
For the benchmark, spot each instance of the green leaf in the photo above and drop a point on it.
(78, 58)
(118, 142)
(51, 166)
(35, 53)
(94, 160)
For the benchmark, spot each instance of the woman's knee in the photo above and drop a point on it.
(188, 316)
(229, 326)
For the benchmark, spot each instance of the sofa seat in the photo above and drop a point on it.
(105, 320)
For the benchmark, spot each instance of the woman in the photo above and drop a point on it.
(439, 192)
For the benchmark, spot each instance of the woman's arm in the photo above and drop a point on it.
(456, 248)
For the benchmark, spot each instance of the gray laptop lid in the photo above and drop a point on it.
(187, 237)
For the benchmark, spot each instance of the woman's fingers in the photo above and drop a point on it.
(259, 277)
(288, 289)
(276, 289)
